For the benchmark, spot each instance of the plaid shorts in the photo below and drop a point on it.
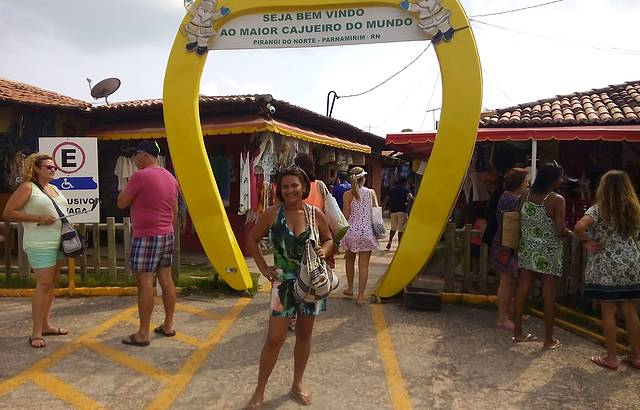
(150, 252)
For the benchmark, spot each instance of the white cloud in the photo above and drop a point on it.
(56, 45)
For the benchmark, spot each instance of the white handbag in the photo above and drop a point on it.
(315, 280)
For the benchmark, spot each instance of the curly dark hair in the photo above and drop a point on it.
(547, 175)
(514, 178)
(295, 171)
(307, 164)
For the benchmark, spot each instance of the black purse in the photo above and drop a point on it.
(72, 243)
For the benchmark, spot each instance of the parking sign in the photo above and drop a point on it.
(77, 175)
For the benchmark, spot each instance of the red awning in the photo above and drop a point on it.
(422, 142)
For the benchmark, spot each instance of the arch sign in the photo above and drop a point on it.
(242, 24)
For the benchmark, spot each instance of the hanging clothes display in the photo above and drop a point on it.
(245, 184)
(123, 170)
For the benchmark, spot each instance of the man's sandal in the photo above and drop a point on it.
(131, 341)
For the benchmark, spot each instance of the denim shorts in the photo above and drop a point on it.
(43, 258)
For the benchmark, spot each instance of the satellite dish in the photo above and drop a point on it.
(104, 88)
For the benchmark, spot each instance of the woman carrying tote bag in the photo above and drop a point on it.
(360, 239)
(289, 230)
(41, 241)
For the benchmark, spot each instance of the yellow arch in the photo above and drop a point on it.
(449, 160)
(462, 95)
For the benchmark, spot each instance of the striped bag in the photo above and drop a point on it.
(315, 280)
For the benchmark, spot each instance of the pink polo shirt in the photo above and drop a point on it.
(155, 193)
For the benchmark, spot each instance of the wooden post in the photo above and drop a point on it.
(450, 257)
(466, 258)
(8, 239)
(95, 230)
(24, 269)
(82, 229)
(71, 268)
(175, 263)
(111, 247)
(126, 228)
(483, 268)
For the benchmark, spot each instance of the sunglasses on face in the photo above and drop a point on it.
(51, 167)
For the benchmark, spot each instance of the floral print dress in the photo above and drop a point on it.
(613, 274)
(541, 250)
(360, 237)
(288, 250)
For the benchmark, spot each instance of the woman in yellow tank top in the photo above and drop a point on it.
(31, 204)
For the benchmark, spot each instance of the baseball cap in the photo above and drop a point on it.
(150, 147)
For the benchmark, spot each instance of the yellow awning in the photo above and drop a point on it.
(239, 127)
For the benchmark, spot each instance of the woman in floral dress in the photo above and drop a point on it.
(289, 230)
(504, 260)
(542, 227)
(359, 239)
(609, 231)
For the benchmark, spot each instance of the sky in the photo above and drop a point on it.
(573, 45)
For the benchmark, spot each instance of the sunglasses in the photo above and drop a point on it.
(51, 167)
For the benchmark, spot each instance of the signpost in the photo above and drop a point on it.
(318, 28)
(77, 175)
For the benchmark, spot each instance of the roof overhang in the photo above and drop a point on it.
(235, 127)
(422, 142)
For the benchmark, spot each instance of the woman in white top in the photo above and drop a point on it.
(41, 240)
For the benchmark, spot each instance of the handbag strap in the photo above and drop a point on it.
(60, 213)
(310, 216)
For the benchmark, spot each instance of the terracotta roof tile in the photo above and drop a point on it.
(25, 94)
(615, 104)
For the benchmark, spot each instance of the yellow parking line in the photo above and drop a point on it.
(166, 397)
(183, 337)
(198, 312)
(128, 361)
(395, 383)
(41, 365)
(65, 392)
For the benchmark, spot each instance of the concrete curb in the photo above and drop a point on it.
(491, 299)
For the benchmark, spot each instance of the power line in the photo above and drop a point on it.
(536, 35)
(388, 79)
(520, 9)
(433, 91)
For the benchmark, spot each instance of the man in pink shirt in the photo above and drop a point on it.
(152, 193)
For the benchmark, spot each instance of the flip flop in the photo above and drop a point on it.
(599, 360)
(131, 341)
(627, 360)
(58, 333)
(32, 339)
(301, 397)
(556, 344)
(347, 293)
(528, 338)
(160, 330)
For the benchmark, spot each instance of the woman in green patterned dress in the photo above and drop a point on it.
(542, 227)
(288, 230)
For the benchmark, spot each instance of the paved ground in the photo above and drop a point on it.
(377, 356)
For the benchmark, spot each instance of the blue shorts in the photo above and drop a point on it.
(148, 253)
(43, 258)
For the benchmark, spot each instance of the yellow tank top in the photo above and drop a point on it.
(43, 236)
